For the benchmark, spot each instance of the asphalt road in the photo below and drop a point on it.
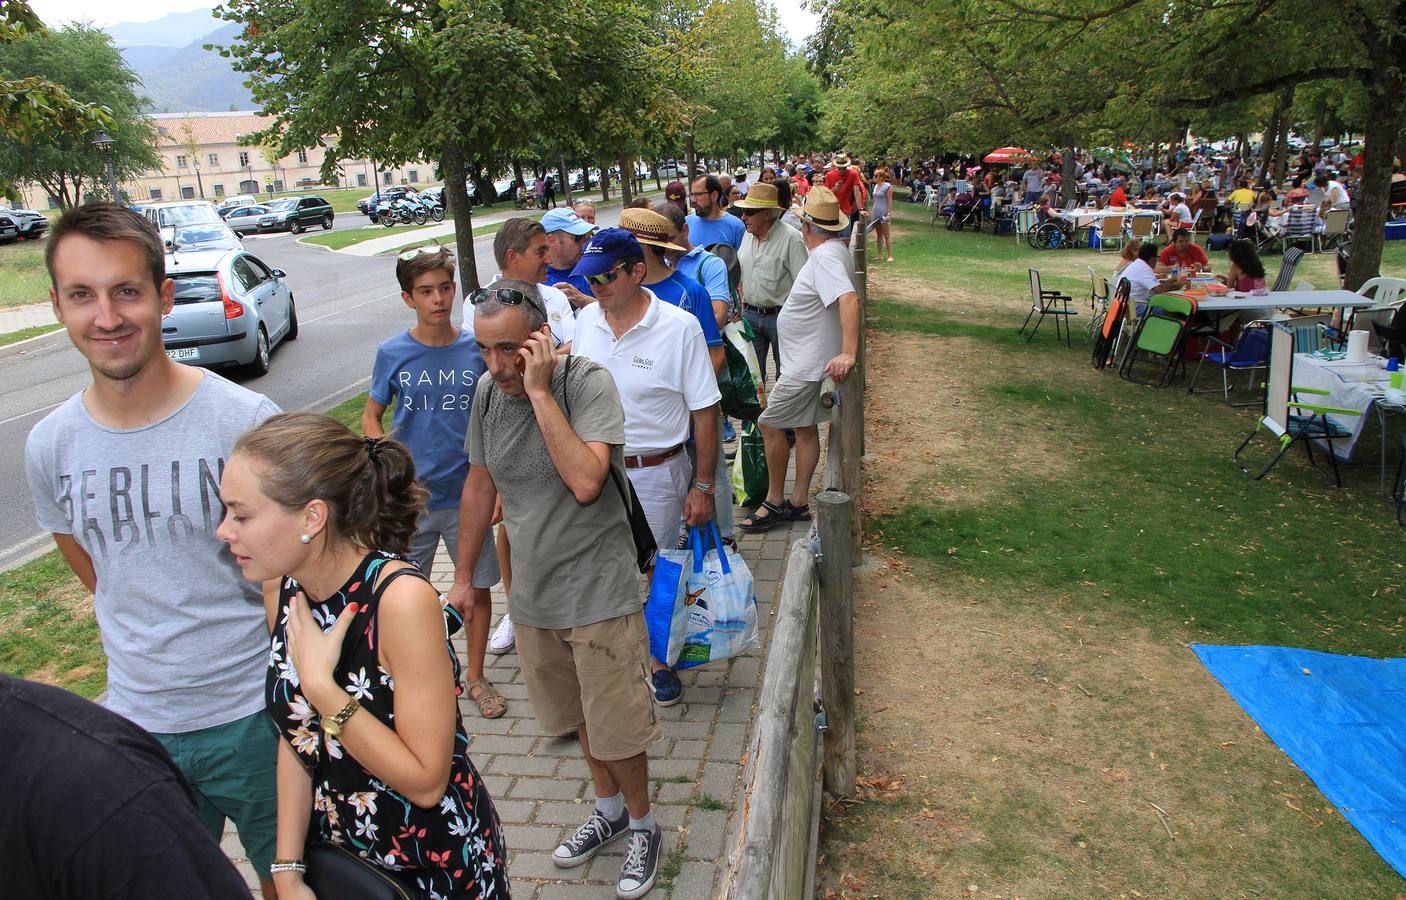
(346, 306)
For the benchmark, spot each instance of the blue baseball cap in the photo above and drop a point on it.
(566, 220)
(605, 250)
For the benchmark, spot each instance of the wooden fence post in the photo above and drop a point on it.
(836, 615)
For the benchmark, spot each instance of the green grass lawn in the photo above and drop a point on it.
(23, 278)
(1049, 538)
(1154, 516)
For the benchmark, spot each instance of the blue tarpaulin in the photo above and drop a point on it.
(1342, 719)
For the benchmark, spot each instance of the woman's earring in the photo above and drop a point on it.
(306, 539)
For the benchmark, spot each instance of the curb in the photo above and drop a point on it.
(24, 346)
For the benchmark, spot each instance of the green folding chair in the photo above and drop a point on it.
(1289, 419)
(1158, 340)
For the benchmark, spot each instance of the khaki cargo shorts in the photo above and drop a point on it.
(595, 675)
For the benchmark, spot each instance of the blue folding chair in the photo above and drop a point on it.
(1249, 353)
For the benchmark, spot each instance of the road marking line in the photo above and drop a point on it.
(348, 308)
(323, 404)
(24, 544)
(32, 412)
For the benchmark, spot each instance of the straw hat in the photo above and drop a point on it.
(841, 161)
(822, 210)
(649, 227)
(759, 196)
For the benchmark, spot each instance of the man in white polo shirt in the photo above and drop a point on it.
(818, 327)
(657, 355)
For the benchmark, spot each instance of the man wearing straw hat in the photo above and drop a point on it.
(772, 255)
(818, 329)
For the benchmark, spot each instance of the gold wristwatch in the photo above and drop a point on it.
(333, 727)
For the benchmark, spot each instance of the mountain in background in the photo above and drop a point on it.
(177, 72)
(175, 30)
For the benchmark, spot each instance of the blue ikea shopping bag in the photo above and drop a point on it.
(701, 607)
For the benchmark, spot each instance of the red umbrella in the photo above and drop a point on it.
(1008, 155)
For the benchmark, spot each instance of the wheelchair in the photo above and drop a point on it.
(1059, 234)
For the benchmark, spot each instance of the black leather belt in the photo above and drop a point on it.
(762, 310)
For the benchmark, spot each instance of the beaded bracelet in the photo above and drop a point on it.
(287, 865)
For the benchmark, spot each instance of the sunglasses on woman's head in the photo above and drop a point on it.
(605, 278)
(509, 296)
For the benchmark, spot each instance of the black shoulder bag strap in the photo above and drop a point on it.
(645, 547)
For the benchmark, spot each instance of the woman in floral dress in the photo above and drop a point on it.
(362, 682)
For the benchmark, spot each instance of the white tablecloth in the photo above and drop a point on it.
(1349, 385)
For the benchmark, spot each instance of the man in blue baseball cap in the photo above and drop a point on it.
(566, 233)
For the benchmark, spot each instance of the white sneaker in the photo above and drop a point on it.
(502, 640)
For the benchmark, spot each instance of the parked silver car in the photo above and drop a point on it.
(231, 310)
(245, 219)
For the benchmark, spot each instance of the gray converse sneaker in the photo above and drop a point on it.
(589, 838)
(641, 864)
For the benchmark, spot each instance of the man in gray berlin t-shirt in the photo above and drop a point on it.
(126, 475)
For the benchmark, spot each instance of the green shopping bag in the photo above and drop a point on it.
(749, 476)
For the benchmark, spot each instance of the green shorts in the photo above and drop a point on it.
(231, 769)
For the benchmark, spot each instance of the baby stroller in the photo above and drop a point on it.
(966, 210)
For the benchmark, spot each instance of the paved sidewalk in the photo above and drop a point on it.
(31, 315)
(541, 787)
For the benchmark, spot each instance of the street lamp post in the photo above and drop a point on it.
(105, 144)
(200, 185)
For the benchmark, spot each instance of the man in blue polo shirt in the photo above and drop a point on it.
(566, 233)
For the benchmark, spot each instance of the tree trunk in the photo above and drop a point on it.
(627, 179)
(565, 180)
(1281, 144)
(604, 183)
(654, 173)
(690, 158)
(1267, 141)
(1320, 112)
(1066, 186)
(1386, 120)
(456, 192)
(518, 180)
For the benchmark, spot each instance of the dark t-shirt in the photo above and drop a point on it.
(95, 808)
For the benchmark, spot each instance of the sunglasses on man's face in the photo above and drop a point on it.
(509, 296)
(605, 278)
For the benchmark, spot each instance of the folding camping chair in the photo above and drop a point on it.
(1288, 418)
(1098, 302)
(1110, 228)
(1109, 338)
(1143, 227)
(1159, 335)
(1249, 353)
(1287, 265)
(1399, 492)
(1301, 225)
(1047, 303)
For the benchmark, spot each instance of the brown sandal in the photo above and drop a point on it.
(491, 704)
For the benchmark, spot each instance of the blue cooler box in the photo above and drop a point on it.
(1396, 230)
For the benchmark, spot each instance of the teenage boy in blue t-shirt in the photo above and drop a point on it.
(429, 371)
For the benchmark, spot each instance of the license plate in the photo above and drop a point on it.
(184, 354)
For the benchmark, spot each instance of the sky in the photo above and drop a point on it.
(796, 21)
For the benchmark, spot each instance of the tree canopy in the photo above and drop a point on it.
(58, 153)
(972, 74)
